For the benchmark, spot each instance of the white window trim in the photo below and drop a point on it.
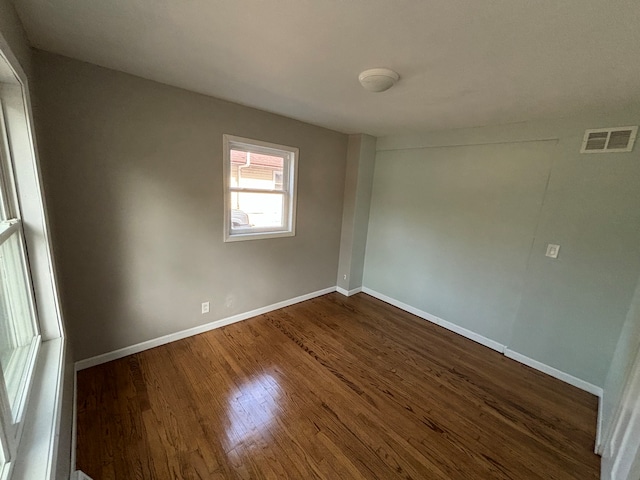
(37, 452)
(290, 179)
(28, 356)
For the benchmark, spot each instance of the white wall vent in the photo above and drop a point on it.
(609, 140)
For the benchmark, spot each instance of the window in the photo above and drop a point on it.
(19, 333)
(259, 189)
(32, 341)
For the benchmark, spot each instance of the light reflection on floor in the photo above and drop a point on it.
(252, 409)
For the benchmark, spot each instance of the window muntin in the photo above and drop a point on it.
(260, 189)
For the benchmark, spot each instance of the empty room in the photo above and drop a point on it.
(362, 239)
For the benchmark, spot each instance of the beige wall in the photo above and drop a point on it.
(133, 174)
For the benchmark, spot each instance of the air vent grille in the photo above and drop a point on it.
(609, 140)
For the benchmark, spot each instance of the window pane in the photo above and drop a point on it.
(257, 210)
(256, 170)
(17, 329)
(6, 190)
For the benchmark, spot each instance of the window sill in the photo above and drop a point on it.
(239, 237)
(39, 444)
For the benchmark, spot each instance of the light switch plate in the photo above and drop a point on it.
(552, 250)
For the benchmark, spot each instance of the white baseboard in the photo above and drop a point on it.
(554, 372)
(571, 380)
(348, 293)
(172, 337)
(487, 342)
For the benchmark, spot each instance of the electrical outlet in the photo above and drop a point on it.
(205, 307)
(344, 277)
(229, 301)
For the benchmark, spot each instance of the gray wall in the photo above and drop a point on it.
(460, 221)
(361, 155)
(133, 171)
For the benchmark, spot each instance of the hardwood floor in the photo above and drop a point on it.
(331, 388)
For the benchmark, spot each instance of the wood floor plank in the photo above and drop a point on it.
(377, 392)
(451, 396)
(335, 387)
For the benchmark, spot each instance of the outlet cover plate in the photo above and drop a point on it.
(205, 307)
(552, 250)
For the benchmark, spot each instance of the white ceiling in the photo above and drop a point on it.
(462, 62)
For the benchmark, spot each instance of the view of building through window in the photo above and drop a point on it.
(257, 172)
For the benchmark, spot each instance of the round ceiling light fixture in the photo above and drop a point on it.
(378, 79)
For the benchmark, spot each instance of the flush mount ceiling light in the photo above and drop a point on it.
(378, 79)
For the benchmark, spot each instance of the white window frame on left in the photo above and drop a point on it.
(31, 434)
